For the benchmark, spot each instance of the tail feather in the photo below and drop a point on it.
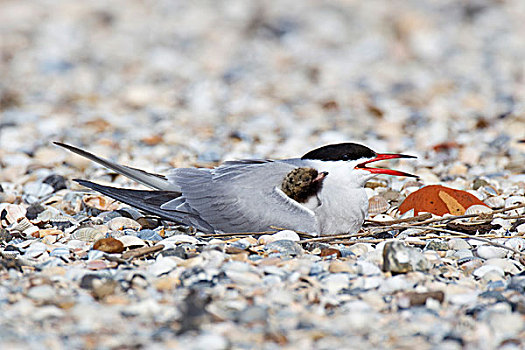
(154, 181)
(151, 202)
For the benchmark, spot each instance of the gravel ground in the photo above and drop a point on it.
(163, 84)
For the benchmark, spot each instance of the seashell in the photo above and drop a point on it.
(21, 244)
(514, 200)
(477, 209)
(505, 224)
(285, 234)
(88, 234)
(106, 216)
(38, 189)
(489, 190)
(14, 212)
(479, 195)
(149, 235)
(97, 254)
(162, 266)
(75, 244)
(117, 234)
(100, 202)
(7, 197)
(131, 241)
(63, 222)
(10, 252)
(409, 190)
(508, 265)
(482, 270)
(358, 249)
(520, 228)
(467, 259)
(48, 232)
(517, 243)
(407, 214)
(121, 223)
(495, 202)
(24, 226)
(393, 212)
(131, 213)
(383, 217)
(35, 250)
(377, 205)
(391, 195)
(180, 239)
(46, 216)
(60, 252)
(50, 239)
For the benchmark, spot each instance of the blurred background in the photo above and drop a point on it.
(158, 84)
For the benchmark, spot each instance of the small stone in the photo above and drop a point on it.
(335, 282)
(244, 277)
(490, 252)
(330, 252)
(102, 288)
(398, 258)
(337, 266)
(284, 248)
(481, 271)
(42, 293)
(148, 223)
(97, 265)
(418, 299)
(58, 182)
(458, 243)
(437, 245)
(109, 245)
(366, 268)
(121, 223)
(285, 234)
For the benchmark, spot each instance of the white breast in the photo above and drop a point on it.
(344, 203)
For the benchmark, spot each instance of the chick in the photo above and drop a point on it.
(302, 183)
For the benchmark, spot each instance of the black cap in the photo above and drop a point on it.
(340, 151)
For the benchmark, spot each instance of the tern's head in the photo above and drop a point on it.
(356, 157)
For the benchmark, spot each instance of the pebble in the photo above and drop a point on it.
(284, 248)
(398, 258)
(43, 293)
(490, 252)
(109, 245)
(286, 234)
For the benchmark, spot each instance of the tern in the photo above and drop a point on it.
(320, 193)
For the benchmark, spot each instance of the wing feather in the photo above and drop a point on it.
(242, 197)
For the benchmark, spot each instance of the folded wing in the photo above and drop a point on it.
(241, 196)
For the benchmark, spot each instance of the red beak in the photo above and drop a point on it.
(383, 156)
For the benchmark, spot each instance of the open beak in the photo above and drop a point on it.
(384, 156)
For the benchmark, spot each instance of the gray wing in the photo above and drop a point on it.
(241, 196)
